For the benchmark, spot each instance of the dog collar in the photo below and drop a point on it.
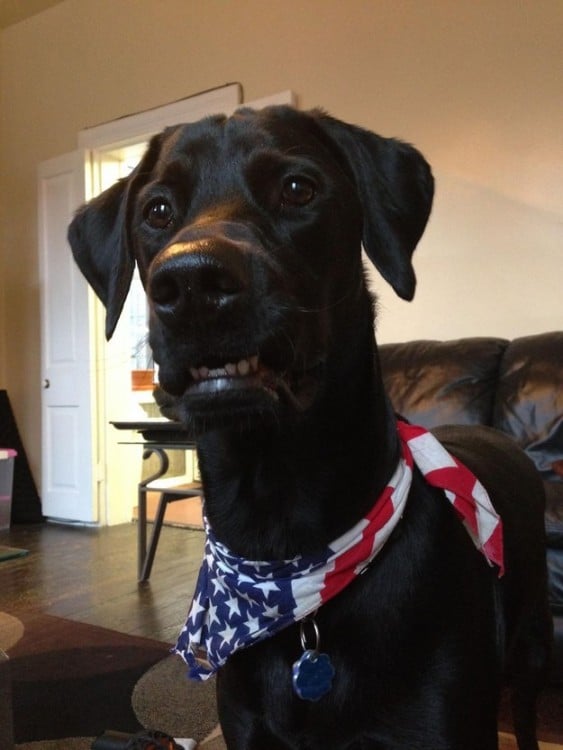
(240, 602)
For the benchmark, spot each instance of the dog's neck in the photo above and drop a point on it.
(279, 491)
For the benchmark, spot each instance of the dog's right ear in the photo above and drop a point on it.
(99, 240)
(99, 245)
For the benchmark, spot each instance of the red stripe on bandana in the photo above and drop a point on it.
(346, 565)
(461, 487)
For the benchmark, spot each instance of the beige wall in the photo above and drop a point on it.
(476, 85)
(2, 249)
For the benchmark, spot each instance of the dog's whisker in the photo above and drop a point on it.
(325, 308)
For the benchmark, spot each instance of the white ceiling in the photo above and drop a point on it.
(12, 11)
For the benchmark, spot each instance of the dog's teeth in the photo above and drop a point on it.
(243, 367)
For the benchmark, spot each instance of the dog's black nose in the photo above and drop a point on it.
(201, 275)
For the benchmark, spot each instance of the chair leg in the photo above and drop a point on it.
(141, 530)
(146, 564)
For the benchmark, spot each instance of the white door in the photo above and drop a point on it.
(68, 489)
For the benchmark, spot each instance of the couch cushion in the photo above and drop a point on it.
(529, 403)
(443, 382)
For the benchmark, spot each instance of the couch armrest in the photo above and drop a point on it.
(529, 402)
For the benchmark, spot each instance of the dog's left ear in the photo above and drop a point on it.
(395, 187)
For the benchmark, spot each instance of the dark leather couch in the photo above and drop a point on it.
(515, 386)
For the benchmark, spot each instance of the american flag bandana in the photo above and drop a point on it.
(239, 602)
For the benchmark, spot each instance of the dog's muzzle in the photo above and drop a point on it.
(223, 341)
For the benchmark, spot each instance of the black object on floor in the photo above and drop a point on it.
(26, 504)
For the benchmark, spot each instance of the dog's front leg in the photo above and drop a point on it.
(242, 728)
(250, 736)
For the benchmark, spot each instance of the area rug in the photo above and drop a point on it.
(166, 699)
(67, 743)
(215, 742)
(69, 679)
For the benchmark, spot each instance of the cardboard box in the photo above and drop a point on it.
(7, 456)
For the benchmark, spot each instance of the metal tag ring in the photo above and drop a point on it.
(303, 635)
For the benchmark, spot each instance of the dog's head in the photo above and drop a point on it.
(247, 232)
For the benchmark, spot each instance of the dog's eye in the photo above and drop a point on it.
(158, 214)
(298, 191)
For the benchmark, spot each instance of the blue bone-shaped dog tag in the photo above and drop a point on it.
(312, 675)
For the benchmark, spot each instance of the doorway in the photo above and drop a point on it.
(113, 150)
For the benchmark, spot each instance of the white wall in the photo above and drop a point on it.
(487, 265)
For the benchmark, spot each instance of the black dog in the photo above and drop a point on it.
(247, 232)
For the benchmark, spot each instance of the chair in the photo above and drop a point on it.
(170, 489)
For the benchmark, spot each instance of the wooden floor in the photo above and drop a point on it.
(90, 575)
